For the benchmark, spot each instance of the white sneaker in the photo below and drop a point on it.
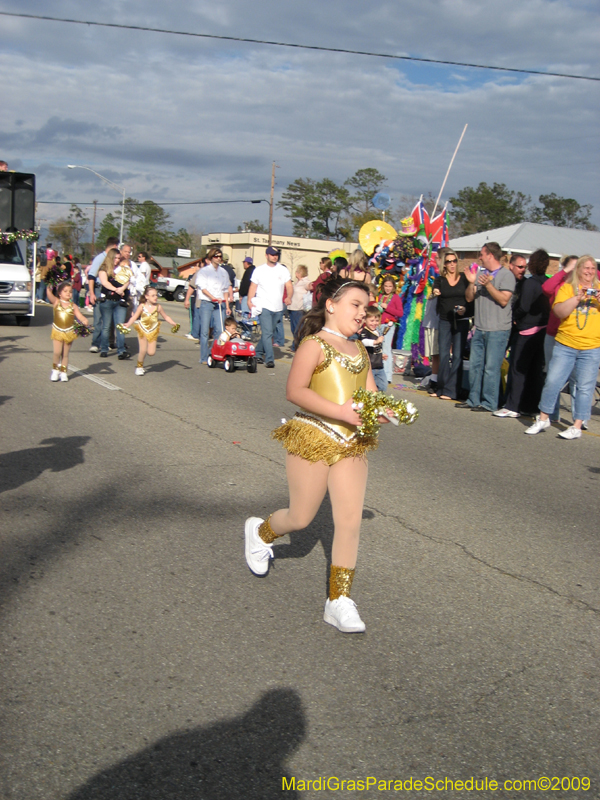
(140, 371)
(55, 375)
(343, 615)
(64, 377)
(505, 412)
(258, 553)
(538, 425)
(570, 433)
(94, 349)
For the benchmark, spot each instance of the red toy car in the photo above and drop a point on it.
(234, 353)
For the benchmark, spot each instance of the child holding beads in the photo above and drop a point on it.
(64, 328)
(147, 325)
(324, 452)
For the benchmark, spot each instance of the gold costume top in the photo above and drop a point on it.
(123, 274)
(62, 323)
(317, 438)
(148, 325)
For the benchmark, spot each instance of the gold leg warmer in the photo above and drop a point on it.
(340, 582)
(62, 368)
(140, 364)
(54, 366)
(266, 532)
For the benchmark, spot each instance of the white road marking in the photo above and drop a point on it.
(99, 381)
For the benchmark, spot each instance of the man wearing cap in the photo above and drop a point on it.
(245, 283)
(266, 295)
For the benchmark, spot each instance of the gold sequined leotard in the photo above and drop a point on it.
(317, 438)
(62, 323)
(148, 325)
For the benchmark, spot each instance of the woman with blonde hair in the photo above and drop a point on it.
(576, 349)
(115, 279)
(296, 307)
(358, 268)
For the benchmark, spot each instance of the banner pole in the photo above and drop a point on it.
(449, 168)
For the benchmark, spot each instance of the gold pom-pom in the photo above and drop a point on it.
(371, 405)
(122, 329)
(175, 328)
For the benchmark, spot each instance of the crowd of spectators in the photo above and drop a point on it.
(520, 333)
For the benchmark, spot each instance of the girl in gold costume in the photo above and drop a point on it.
(323, 451)
(147, 325)
(63, 328)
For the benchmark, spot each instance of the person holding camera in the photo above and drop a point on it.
(114, 279)
(450, 288)
(576, 348)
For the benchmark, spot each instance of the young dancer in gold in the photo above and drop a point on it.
(324, 452)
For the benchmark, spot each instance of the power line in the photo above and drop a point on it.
(141, 202)
(300, 46)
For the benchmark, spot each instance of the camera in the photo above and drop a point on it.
(591, 293)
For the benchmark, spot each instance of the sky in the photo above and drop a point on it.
(174, 118)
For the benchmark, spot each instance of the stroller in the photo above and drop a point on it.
(250, 326)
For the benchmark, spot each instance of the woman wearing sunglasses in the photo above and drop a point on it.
(450, 288)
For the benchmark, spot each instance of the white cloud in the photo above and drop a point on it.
(192, 119)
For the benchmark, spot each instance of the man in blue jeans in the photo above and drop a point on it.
(267, 285)
(491, 287)
(214, 292)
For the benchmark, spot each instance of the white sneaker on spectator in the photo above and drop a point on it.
(538, 425)
(343, 615)
(571, 433)
(55, 375)
(94, 349)
(505, 412)
(258, 553)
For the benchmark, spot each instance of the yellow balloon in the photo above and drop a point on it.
(373, 233)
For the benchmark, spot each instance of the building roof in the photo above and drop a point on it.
(525, 237)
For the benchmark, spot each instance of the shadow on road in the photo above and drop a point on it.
(163, 366)
(238, 759)
(56, 454)
(5, 398)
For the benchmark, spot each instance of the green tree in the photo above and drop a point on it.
(317, 208)
(485, 207)
(253, 226)
(364, 184)
(563, 212)
(181, 239)
(69, 231)
(148, 226)
(110, 226)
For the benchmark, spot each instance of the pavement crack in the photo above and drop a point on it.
(581, 604)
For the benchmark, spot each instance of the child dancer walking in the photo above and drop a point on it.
(64, 328)
(323, 451)
(147, 325)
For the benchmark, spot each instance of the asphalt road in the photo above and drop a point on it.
(140, 659)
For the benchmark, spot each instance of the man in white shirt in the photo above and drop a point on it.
(267, 284)
(142, 277)
(214, 292)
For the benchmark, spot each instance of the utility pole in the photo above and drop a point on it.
(94, 228)
(271, 203)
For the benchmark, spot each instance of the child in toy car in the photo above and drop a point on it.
(232, 350)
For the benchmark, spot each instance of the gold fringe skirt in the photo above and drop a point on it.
(150, 336)
(312, 439)
(60, 335)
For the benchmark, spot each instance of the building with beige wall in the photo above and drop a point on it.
(294, 250)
